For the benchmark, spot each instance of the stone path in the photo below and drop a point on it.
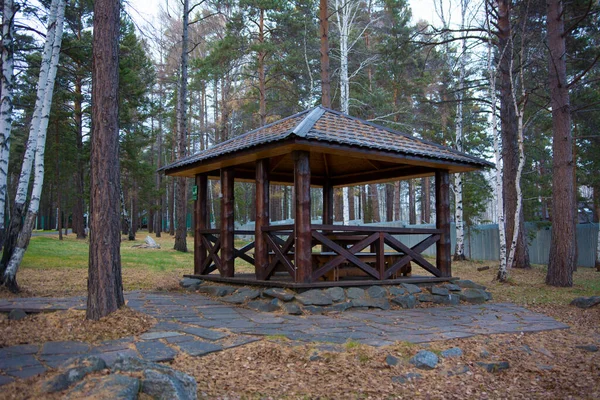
(197, 325)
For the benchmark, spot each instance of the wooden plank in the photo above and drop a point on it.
(416, 257)
(346, 254)
(201, 221)
(302, 231)
(278, 228)
(442, 222)
(261, 258)
(358, 229)
(380, 254)
(334, 262)
(418, 248)
(227, 223)
(213, 245)
(280, 256)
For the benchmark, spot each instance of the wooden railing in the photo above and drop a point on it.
(373, 252)
(212, 242)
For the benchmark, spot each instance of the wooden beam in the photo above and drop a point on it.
(302, 229)
(261, 250)
(227, 223)
(442, 222)
(382, 175)
(201, 221)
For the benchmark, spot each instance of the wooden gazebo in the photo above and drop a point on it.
(324, 148)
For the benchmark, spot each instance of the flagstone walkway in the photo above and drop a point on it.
(197, 325)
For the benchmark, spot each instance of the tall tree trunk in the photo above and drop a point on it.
(10, 275)
(181, 229)
(502, 274)
(57, 179)
(563, 256)
(338, 206)
(374, 194)
(6, 106)
(459, 250)
(425, 201)
(262, 101)
(105, 287)
(16, 217)
(397, 213)
(596, 217)
(79, 209)
(351, 203)
(509, 129)
(389, 201)
(412, 209)
(324, 32)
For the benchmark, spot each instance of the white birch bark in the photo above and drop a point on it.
(519, 105)
(6, 105)
(496, 134)
(459, 251)
(38, 182)
(22, 188)
(346, 204)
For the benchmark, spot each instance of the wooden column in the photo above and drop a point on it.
(227, 220)
(442, 221)
(261, 256)
(201, 222)
(302, 229)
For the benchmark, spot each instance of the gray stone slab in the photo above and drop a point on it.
(240, 341)
(155, 351)
(204, 333)
(27, 372)
(5, 380)
(19, 350)
(67, 347)
(17, 362)
(110, 357)
(56, 360)
(179, 339)
(158, 335)
(198, 348)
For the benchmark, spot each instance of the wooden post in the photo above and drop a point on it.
(442, 221)
(227, 226)
(261, 256)
(302, 228)
(201, 222)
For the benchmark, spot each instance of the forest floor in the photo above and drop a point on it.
(542, 364)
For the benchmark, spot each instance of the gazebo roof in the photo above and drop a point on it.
(344, 149)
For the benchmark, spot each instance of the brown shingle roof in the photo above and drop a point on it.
(322, 124)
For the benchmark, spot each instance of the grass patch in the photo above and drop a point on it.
(527, 286)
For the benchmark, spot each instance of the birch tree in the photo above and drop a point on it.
(347, 12)
(459, 252)
(20, 232)
(6, 105)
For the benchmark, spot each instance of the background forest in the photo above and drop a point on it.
(251, 62)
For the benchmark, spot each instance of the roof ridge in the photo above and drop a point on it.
(308, 122)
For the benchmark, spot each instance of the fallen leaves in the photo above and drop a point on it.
(72, 325)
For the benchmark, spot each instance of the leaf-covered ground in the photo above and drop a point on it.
(545, 365)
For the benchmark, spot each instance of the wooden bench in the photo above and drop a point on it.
(347, 269)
